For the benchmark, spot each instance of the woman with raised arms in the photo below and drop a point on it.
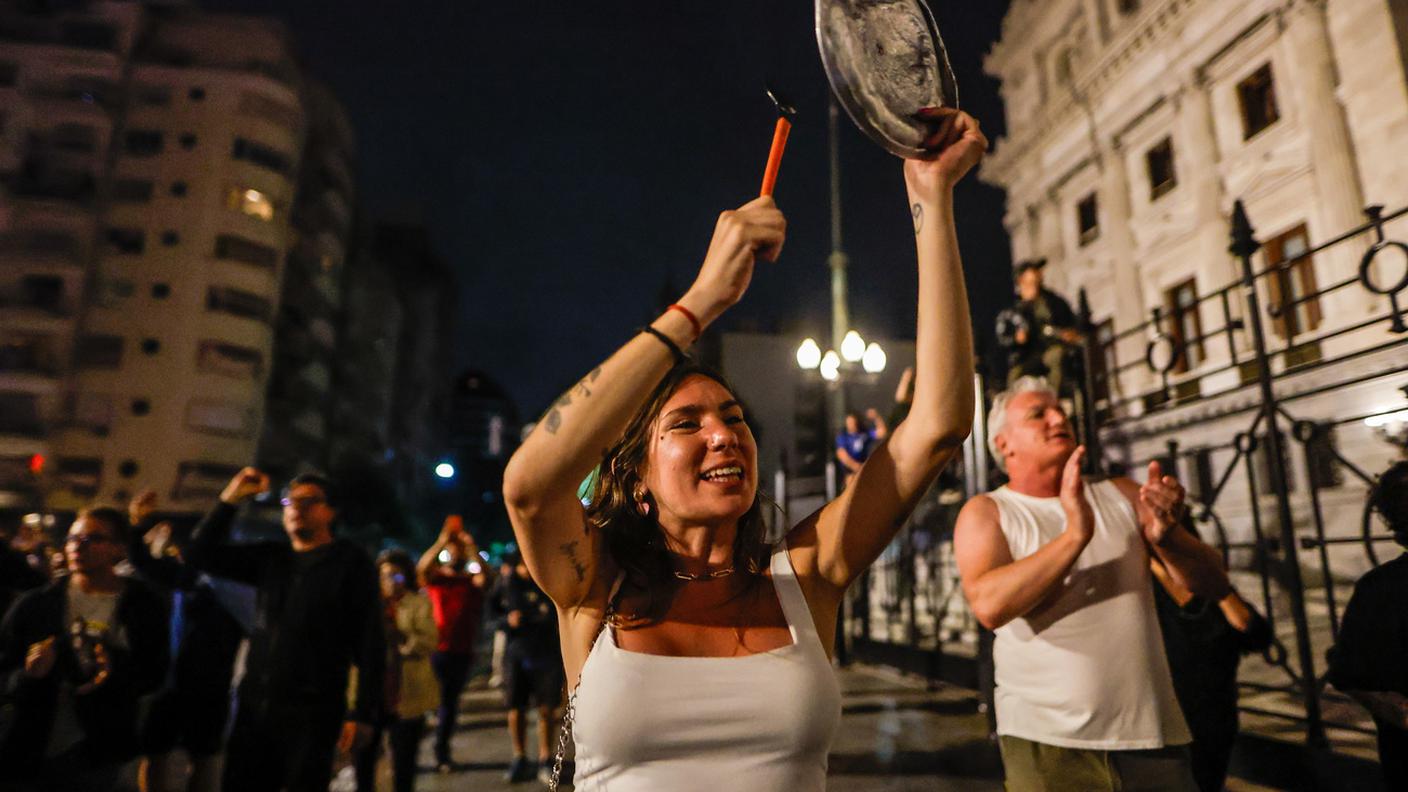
(698, 653)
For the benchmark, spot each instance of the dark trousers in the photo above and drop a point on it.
(452, 670)
(288, 747)
(404, 736)
(71, 771)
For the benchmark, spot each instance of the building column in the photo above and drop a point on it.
(1129, 309)
(1197, 163)
(1339, 204)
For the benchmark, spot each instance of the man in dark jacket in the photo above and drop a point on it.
(532, 665)
(317, 613)
(75, 657)
(1038, 330)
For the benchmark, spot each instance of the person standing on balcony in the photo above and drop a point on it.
(1370, 658)
(1038, 330)
(1059, 569)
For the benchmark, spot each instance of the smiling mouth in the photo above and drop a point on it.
(724, 475)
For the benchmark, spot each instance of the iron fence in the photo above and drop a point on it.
(1284, 541)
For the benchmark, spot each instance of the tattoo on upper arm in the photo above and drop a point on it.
(918, 212)
(552, 419)
(569, 549)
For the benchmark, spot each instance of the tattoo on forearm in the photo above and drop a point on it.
(552, 419)
(918, 212)
(569, 549)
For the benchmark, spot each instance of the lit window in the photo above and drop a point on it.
(251, 202)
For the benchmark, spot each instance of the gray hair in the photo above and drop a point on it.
(997, 416)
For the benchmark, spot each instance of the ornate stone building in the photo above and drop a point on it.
(1134, 129)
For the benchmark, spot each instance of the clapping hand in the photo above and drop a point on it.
(1080, 518)
(39, 659)
(1163, 499)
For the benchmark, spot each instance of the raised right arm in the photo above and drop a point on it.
(540, 483)
(210, 550)
(1000, 589)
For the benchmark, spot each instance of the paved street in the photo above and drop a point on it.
(895, 737)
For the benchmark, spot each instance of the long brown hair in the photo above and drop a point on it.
(635, 541)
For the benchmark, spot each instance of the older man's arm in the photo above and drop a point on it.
(1000, 589)
(1159, 504)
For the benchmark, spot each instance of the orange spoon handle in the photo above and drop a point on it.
(779, 144)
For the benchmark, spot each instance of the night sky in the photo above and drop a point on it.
(571, 158)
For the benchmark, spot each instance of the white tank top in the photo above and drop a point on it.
(757, 723)
(1088, 670)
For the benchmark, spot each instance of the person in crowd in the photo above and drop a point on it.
(497, 608)
(317, 613)
(1370, 658)
(193, 706)
(532, 674)
(75, 658)
(410, 688)
(699, 653)
(1204, 643)
(1038, 330)
(17, 573)
(1059, 569)
(456, 590)
(859, 437)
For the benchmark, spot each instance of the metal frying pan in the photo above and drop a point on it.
(885, 60)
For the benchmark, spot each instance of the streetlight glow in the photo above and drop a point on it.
(852, 347)
(445, 470)
(874, 359)
(830, 366)
(809, 354)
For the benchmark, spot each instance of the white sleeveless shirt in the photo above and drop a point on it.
(1088, 669)
(756, 723)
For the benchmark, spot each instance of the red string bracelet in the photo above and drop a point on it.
(688, 314)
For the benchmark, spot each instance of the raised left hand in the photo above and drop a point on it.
(960, 145)
(1164, 507)
(141, 507)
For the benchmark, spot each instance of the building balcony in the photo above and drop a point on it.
(26, 317)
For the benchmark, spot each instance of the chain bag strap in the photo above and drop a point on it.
(569, 716)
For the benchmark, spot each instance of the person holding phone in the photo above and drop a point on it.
(455, 576)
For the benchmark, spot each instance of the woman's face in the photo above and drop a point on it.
(393, 581)
(702, 462)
